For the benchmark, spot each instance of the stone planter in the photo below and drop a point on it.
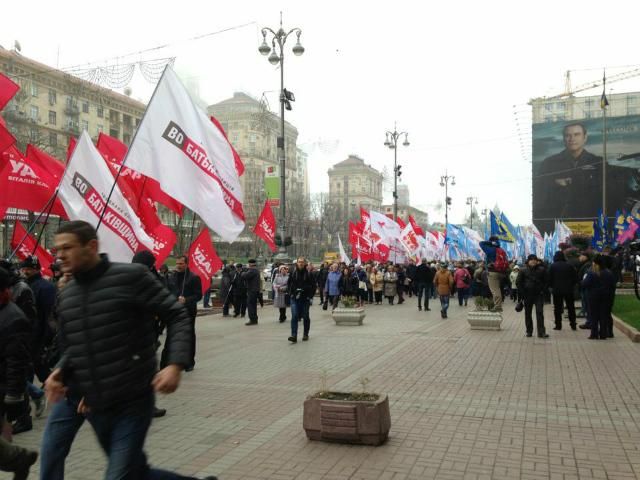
(348, 316)
(484, 320)
(347, 421)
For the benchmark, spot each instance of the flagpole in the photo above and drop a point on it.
(604, 162)
(126, 155)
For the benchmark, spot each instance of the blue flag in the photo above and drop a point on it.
(502, 228)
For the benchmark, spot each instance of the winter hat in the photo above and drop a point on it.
(30, 262)
(145, 257)
(532, 257)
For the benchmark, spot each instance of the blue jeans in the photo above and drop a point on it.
(62, 425)
(206, 298)
(34, 392)
(300, 308)
(444, 302)
(121, 433)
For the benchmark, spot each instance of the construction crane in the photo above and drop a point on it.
(570, 92)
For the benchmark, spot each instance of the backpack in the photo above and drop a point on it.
(502, 263)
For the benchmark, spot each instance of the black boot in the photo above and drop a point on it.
(22, 424)
(15, 459)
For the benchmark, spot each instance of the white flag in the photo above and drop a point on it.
(385, 228)
(84, 190)
(178, 145)
(343, 254)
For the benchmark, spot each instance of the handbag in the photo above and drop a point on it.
(362, 285)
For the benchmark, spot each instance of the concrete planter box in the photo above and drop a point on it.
(484, 320)
(347, 421)
(348, 316)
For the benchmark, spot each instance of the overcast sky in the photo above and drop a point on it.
(449, 73)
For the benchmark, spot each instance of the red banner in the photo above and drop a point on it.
(27, 246)
(164, 238)
(203, 259)
(71, 146)
(52, 165)
(266, 227)
(416, 228)
(25, 184)
(8, 88)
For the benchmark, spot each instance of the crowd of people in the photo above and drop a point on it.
(89, 336)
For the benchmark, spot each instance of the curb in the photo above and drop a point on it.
(628, 330)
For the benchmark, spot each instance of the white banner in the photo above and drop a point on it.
(83, 192)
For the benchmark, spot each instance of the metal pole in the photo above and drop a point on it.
(471, 216)
(395, 179)
(604, 163)
(446, 203)
(283, 198)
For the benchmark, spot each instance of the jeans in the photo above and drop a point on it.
(206, 298)
(34, 392)
(444, 303)
(422, 289)
(62, 425)
(300, 308)
(463, 295)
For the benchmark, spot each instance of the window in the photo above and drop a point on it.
(53, 139)
(126, 138)
(34, 135)
(53, 120)
(53, 97)
(100, 111)
(34, 89)
(252, 137)
(84, 125)
(114, 133)
(34, 113)
(85, 107)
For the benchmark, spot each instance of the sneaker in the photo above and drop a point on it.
(293, 339)
(305, 338)
(41, 405)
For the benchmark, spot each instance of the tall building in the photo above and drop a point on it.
(253, 131)
(403, 195)
(354, 184)
(52, 106)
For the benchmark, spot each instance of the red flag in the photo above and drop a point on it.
(6, 139)
(51, 164)
(266, 226)
(416, 227)
(164, 238)
(203, 259)
(27, 246)
(71, 147)
(25, 184)
(3, 212)
(114, 151)
(400, 222)
(236, 157)
(8, 89)
(381, 252)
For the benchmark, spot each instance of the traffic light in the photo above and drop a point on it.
(448, 200)
(399, 171)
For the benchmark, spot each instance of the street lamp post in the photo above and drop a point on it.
(279, 37)
(471, 201)
(391, 141)
(444, 182)
(485, 212)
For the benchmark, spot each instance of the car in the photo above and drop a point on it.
(266, 273)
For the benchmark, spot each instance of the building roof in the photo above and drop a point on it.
(238, 97)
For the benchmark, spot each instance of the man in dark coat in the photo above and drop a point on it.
(424, 281)
(239, 288)
(108, 369)
(15, 333)
(531, 283)
(301, 288)
(226, 294)
(251, 279)
(187, 287)
(562, 280)
(321, 280)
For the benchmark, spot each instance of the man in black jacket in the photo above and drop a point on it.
(301, 288)
(424, 281)
(108, 369)
(14, 359)
(239, 288)
(187, 287)
(321, 280)
(562, 280)
(251, 279)
(531, 283)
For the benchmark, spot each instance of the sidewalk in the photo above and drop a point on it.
(464, 404)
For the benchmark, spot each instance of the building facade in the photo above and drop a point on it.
(421, 218)
(52, 106)
(580, 108)
(354, 184)
(403, 195)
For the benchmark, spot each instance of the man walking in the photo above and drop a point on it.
(187, 287)
(251, 279)
(301, 287)
(562, 280)
(107, 370)
(424, 281)
(531, 285)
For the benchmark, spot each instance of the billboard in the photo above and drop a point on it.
(272, 185)
(568, 169)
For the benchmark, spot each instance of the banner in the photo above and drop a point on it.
(164, 239)
(266, 227)
(27, 247)
(409, 240)
(26, 185)
(272, 185)
(416, 228)
(177, 144)
(203, 259)
(8, 88)
(84, 190)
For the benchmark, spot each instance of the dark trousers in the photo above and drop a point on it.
(601, 320)
(529, 303)
(261, 299)
(369, 294)
(252, 306)
(300, 310)
(378, 296)
(240, 304)
(423, 289)
(227, 303)
(463, 294)
(332, 299)
(193, 340)
(559, 300)
(283, 314)
(401, 294)
(206, 298)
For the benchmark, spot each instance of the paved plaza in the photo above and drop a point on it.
(464, 404)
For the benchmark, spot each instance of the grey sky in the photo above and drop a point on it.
(450, 73)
